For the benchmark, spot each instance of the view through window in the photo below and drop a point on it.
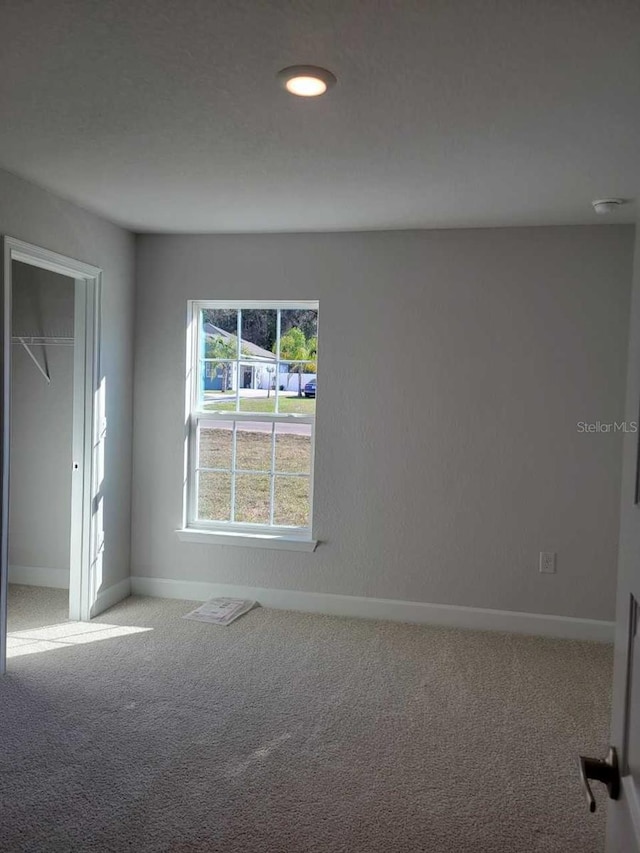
(252, 417)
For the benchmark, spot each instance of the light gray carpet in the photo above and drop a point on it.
(291, 732)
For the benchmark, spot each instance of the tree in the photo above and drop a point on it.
(216, 346)
(302, 353)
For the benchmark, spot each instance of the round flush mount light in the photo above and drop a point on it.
(603, 206)
(306, 81)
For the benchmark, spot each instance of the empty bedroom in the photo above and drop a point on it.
(320, 394)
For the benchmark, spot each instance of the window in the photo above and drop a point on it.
(251, 398)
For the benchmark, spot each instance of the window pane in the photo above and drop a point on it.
(293, 448)
(257, 382)
(257, 402)
(295, 405)
(219, 344)
(259, 333)
(219, 385)
(291, 501)
(253, 446)
(298, 353)
(298, 381)
(214, 496)
(220, 322)
(253, 498)
(216, 442)
(304, 320)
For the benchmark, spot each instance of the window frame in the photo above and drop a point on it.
(196, 418)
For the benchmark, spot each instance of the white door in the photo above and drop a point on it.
(623, 825)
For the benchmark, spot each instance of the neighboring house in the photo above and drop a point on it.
(252, 375)
(258, 373)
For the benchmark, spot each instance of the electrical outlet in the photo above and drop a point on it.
(548, 562)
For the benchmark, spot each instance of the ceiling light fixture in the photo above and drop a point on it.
(306, 81)
(607, 205)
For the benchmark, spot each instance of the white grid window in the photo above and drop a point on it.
(251, 401)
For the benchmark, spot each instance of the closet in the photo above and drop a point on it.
(42, 375)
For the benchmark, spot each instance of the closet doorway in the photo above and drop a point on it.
(52, 397)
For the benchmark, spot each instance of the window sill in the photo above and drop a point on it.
(247, 540)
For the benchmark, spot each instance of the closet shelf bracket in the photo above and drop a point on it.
(42, 370)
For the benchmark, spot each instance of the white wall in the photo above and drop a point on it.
(441, 486)
(288, 380)
(41, 429)
(32, 214)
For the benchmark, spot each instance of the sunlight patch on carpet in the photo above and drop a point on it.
(51, 637)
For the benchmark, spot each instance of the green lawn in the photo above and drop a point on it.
(287, 405)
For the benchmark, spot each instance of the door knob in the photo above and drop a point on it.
(601, 770)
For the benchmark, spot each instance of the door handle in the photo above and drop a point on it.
(605, 770)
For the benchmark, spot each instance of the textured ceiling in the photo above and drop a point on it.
(165, 115)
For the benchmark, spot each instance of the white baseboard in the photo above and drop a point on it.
(448, 615)
(106, 598)
(38, 576)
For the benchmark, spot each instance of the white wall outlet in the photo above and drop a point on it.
(548, 562)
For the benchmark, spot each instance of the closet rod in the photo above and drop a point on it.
(43, 341)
